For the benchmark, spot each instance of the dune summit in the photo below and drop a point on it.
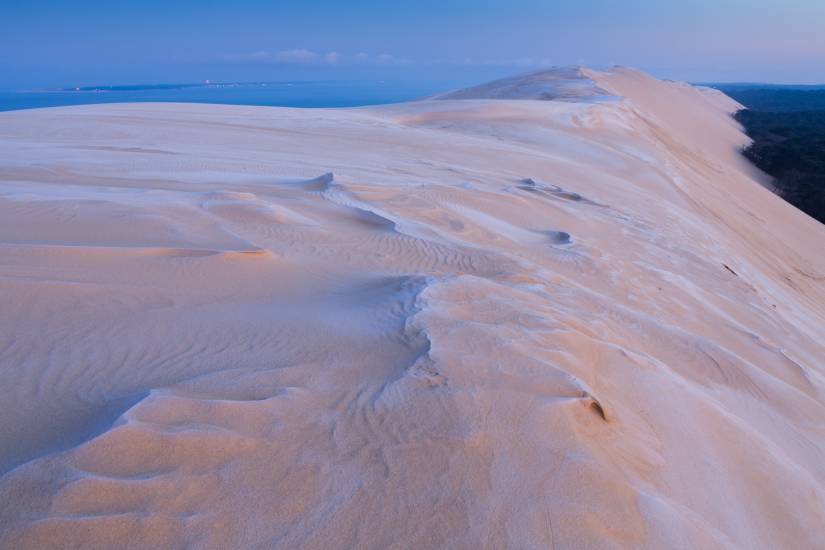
(561, 84)
(485, 320)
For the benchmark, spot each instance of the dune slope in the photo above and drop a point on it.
(484, 320)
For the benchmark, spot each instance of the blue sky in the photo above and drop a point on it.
(82, 42)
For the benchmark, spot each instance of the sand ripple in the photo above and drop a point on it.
(459, 323)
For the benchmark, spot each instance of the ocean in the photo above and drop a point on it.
(284, 94)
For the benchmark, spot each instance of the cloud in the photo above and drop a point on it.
(519, 62)
(251, 57)
(300, 56)
(297, 56)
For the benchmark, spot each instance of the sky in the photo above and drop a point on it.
(47, 43)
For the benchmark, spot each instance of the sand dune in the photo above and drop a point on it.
(492, 319)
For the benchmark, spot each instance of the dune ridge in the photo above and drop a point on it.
(558, 310)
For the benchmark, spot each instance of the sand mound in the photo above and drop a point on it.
(558, 84)
(501, 323)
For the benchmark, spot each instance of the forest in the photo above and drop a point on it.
(787, 125)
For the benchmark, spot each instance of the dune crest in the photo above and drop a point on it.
(558, 84)
(557, 310)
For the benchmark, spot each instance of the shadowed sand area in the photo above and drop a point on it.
(556, 311)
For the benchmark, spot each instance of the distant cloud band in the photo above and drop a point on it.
(300, 56)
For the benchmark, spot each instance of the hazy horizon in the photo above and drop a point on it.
(455, 80)
(89, 42)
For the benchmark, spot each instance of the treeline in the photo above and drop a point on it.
(779, 99)
(788, 129)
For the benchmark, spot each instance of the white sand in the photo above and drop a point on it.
(501, 323)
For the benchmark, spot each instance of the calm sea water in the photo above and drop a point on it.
(285, 94)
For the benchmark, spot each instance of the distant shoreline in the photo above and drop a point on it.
(312, 94)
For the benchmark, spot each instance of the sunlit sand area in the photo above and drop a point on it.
(558, 310)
